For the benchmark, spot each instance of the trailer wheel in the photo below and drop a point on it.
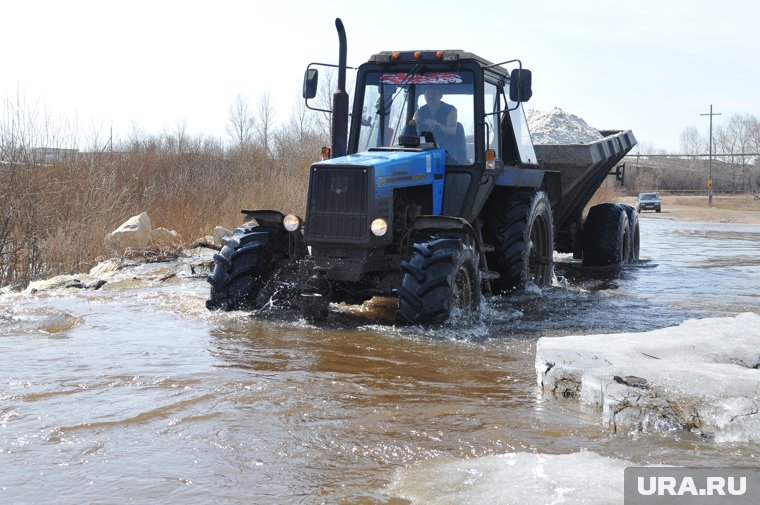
(441, 279)
(244, 266)
(634, 233)
(520, 228)
(606, 236)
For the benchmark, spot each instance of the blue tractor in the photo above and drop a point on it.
(431, 206)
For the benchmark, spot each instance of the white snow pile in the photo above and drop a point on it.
(702, 376)
(514, 478)
(559, 127)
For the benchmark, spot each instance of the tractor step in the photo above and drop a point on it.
(487, 248)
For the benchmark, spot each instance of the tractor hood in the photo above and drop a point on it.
(385, 157)
(347, 193)
(396, 168)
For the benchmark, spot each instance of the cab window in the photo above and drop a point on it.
(391, 99)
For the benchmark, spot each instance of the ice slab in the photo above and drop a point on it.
(514, 478)
(703, 376)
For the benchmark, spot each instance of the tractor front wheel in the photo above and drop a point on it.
(440, 280)
(245, 268)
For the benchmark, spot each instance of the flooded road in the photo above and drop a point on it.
(135, 393)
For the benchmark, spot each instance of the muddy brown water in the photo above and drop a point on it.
(135, 393)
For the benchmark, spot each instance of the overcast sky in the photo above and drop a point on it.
(650, 66)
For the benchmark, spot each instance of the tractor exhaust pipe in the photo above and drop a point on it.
(340, 99)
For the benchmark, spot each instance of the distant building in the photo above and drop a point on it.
(51, 154)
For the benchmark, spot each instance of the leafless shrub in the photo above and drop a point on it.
(55, 210)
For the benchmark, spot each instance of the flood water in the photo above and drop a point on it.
(135, 393)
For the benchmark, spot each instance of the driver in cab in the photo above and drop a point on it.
(438, 117)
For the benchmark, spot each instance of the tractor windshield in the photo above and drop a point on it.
(392, 99)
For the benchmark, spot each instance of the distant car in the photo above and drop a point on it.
(648, 201)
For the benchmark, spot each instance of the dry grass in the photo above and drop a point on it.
(734, 202)
(54, 216)
(609, 192)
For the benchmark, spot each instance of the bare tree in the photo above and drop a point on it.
(265, 124)
(646, 148)
(301, 122)
(692, 142)
(242, 124)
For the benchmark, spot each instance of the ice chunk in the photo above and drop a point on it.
(48, 320)
(514, 478)
(703, 375)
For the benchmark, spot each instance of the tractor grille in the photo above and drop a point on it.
(338, 207)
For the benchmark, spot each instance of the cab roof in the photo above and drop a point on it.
(433, 56)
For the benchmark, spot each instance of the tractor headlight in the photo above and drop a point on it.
(291, 222)
(379, 227)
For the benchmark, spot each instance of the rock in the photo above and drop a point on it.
(206, 242)
(162, 238)
(135, 233)
(219, 233)
(106, 269)
(64, 282)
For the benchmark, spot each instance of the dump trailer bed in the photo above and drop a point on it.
(584, 168)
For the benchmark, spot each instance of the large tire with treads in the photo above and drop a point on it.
(244, 266)
(634, 233)
(519, 226)
(606, 236)
(442, 277)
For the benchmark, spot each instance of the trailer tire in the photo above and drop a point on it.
(606, 236)
(520, 229)
(634, 234)
(244, 266)
(441, 279)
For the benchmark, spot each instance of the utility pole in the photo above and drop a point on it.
(709, 177)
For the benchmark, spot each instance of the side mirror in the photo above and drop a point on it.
(520, 85)
(310, 79)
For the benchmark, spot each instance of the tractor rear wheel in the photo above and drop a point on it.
(245, 266)
(441, 279)
(520, 228)
(606, 236)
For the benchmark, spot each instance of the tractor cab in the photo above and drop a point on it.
(486, 132)
(391, 93)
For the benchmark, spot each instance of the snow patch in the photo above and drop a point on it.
(556, 126)
(703, 376)
(514, 478)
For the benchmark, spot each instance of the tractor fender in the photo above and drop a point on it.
(548, 180)
(445, 224)
(265, 217)
(273, 219)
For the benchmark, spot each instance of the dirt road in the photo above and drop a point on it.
(725, 209)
